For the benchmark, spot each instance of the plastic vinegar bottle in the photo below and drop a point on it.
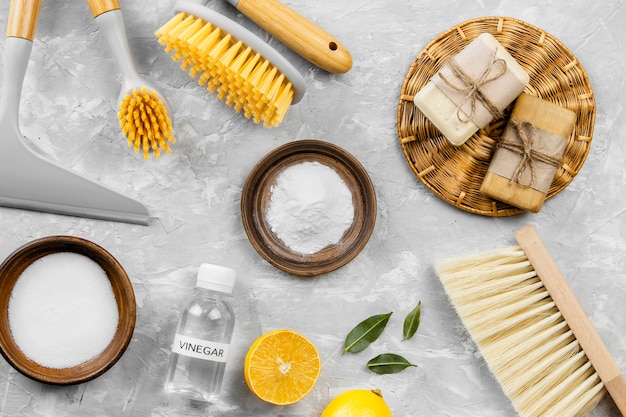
(202, 340)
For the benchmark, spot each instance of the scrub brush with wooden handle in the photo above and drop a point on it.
(144, 112)
(243, 70)
(531, 330)
(297, 32)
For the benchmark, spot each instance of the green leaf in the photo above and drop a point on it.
(412, 322)
(365, 333)
(388, 363)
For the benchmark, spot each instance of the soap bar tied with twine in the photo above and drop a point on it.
(536, 167)
(480, 81)
(529, 153)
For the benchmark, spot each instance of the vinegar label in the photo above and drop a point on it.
(201, 349)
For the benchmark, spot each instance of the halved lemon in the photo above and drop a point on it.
(281, 367)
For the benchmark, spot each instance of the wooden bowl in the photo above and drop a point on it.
(14, 266)
(256, 196)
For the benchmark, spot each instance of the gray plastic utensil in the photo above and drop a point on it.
(28, 181)
(149, 135)
(108, 16)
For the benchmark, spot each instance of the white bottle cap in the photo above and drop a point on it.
(216, 278)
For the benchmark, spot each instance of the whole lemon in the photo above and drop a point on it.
(358, 403)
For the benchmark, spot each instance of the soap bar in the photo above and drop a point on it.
(472, 89)
(521, 173)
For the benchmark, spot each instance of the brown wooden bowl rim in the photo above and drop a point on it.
(10, 270)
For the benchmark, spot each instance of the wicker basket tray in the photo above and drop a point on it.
(455, 173)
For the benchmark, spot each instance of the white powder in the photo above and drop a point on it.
(310, 207)
(62, 310)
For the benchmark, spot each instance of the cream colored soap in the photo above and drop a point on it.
(442, 111)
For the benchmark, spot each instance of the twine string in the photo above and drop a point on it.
(528, 134)
(472, 87)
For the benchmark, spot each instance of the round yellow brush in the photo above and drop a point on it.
(143, 111)
(243, 70)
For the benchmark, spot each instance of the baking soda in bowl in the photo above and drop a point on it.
(310, 207)
(62, 310)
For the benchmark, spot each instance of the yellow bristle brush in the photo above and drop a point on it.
(245, 72)
(533, 333)
(144, 112)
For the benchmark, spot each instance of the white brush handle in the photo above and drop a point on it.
(574, 315)
(109, 18)
(297, 32)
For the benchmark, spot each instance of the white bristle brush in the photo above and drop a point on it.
(533, 333)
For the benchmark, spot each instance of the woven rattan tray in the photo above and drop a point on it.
(455, 173)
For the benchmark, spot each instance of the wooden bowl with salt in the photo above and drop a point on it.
(67, 310)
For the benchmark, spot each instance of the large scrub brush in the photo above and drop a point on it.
(144, 111)
(243, 70)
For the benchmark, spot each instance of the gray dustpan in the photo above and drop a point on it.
(28, 181)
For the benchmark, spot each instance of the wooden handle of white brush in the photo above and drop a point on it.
(102, 6)
(22, 21)
(298, 33)
(574, 315)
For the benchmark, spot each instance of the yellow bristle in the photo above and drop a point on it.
(239, 68)
(202, 54)
(144, 121)
(264, 86)
(217, 70)
(253, 96)
(242, 86)
(282, 103)
(229, 56)
(204, 37)
(206, 40)
(174, 39)
(239, 88)
(522, 335)
(272, 91)
(239, 76)
(257, 74)
(171, 24)
(222, 46)
(178, 26)
(169, 28)
(248, 67)
(240, 60)
(188, 36)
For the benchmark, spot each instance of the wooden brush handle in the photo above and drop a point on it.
(298, 33)
(574, 315)
(102, 6)
(22, 21)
